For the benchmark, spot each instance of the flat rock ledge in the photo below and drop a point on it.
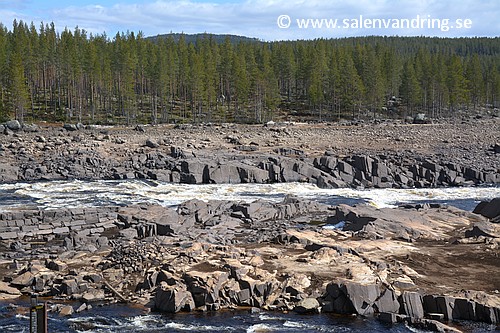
(421, 264)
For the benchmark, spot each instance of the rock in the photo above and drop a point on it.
(24, 280)
(172, 299)
(307, 305)
(6, 289)
(93, 295)
(464, 309)
(30, 128)
(489, 209)
(152, 144)
(56, 265)
(139, 128)
(411, 304)
(8, 173)
(81, 308)
(13, 125)
(421, 118)
(70, 127)
(247, 148)
(66, 310)
(70, 287)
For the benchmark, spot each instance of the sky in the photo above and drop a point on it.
(266, 20)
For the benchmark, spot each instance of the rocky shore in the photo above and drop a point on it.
(421, 264)
(389, 154)
(427, 265)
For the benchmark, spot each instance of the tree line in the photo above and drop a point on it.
(71, 75)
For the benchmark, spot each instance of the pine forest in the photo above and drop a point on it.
(74, 76)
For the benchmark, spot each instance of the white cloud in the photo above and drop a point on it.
(257, 18)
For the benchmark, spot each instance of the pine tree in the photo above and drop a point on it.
(475, 81)
(457, 83)
(19, 96)
(410, 88)
(3, 74)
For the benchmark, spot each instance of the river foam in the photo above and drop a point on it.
(75, 193)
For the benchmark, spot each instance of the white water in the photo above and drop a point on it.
(83, 194)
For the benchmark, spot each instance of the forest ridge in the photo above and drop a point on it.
(127, 79)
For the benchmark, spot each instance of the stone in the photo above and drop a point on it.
(172, 299)
(66, 310)
(420, 118)
(362, 297)
(70, 127)
(70, 287)
(307, 305)
(6, 289)
(152, 144)
(56, 265)
(464, 309)
(13, 125)
(411, 303)
(24, 280)
(489, 209)
(93, 295)
(81, 308)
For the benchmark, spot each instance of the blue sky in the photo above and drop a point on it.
(259, 18)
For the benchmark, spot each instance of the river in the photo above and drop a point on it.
(118, 318)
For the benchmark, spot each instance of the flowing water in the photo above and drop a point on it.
(124, 319)
(76, 193)
(118, 318)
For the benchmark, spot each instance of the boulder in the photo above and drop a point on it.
(24, 280)
(66, 310)
(93, 295)
(152, 144)
(421, 118)
(70, 127)
(411, 304)
(489, 209)
(172, 299)
(6, 289)
(307, 305)
(13, 125)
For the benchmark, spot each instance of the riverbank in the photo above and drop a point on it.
(415, 263)
(380, 155)
(423, 263)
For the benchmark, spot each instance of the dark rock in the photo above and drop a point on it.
(172, 299)
(13, 125)
(139, 128)
(489, 209)
(247, 148)
(70, 127)
(411, 304)
(152, 144)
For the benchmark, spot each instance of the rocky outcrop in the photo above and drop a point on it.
(79, 152)
(489, 209)
(221, 254)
